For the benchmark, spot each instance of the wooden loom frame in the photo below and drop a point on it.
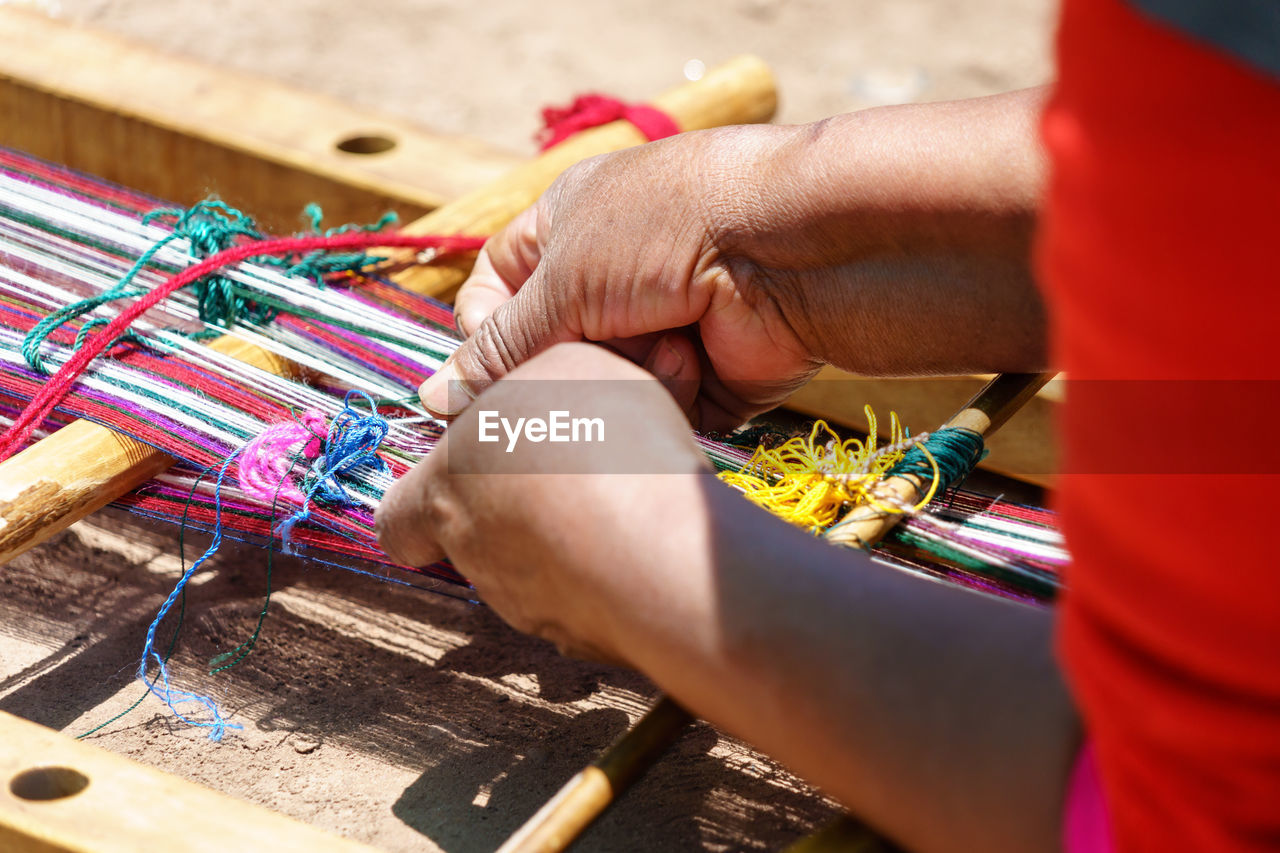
(71, 95)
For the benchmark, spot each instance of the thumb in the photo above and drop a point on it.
(515, 332)
(502, 267)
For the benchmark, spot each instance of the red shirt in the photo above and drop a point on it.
(1161, 257)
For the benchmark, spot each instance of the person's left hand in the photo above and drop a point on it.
(561, 539)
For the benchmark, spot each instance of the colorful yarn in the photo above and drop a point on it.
(267, 461)
(351, 444)
(946, 457)
(314, 453)
(60, 385)
(812, 480)
(593, 110)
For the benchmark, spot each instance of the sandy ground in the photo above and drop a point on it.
(402, 718)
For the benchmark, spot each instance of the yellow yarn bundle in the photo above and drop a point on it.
(812, 481)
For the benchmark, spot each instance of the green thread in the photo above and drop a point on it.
(242, 651)
(956, 450)
(209, 227)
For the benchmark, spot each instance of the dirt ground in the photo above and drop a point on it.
(402, 718)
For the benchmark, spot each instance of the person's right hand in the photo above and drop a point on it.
(733, 263)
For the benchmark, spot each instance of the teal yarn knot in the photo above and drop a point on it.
(956, 450)
(209, 227)
(317, 265)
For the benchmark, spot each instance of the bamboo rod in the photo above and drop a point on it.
(741, 91)
(585, 797)
(83, 466)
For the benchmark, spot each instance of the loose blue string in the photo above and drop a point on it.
(352, 442)
(160, 685)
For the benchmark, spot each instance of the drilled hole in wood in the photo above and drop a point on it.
(366, 144)
(48, 783)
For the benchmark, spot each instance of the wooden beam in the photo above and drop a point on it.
(59, 795)
(181, 130)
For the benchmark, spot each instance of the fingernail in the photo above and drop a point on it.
(667, 361)
(468, 322)
(444, 393)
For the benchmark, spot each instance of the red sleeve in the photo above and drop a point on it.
(1161, 258)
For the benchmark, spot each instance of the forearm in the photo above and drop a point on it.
(935, 714)
(898, 239)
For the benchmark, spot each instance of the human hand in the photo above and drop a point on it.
(625, 249)
(562, 540)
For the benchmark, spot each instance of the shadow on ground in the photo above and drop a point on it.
(393, 683)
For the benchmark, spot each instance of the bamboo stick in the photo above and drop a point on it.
(83, 466)
(585, 797)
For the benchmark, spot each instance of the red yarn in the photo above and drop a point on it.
(59, 385)
(593, 110)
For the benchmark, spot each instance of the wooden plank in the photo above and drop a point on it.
(59, 795)
(181, 130)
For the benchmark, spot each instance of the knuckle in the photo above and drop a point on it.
(494, 355)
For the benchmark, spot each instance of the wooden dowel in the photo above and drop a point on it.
(741, 91)
(590, 793)
(586, 796)
(984, 414)
(83, 467)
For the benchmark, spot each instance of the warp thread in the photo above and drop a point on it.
(593, 110)
(209, 227)
(43, 403)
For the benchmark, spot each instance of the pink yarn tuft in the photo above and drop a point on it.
(594, 110)
(267, 461)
